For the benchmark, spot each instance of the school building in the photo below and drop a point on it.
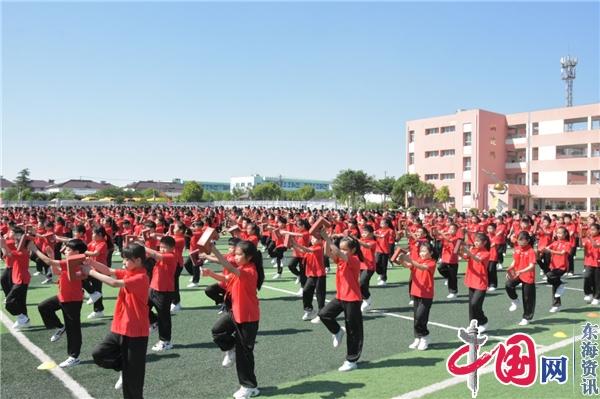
(246, 183)
(545, 160)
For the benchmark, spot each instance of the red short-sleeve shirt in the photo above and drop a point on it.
(346, 279)
(19, 261)
(422, 280)
(315, 265)
(560, 262)
(163, 273)
(242, 288)
(476, 276)
(68, 291)
(131, 309)
(523, 257)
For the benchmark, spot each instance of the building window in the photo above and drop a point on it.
(466, 188)
(432, 130)
(571, 151)
(535, 153)
(535, 179)
(411, 158)
(467, 163)
(518, 178)
(493, 154)
(431, 177)
(447, 176)
(517, 131)
(430, 154)
(576, 124)
(467, 138)
(411, 136)
(595, 150)
(448, 129)
(595, 175)
(535, 128)
(595, 122)
(446, 153)
(577, 177)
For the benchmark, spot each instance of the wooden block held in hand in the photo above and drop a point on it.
(205, 241)
(319, 224)
(396, 254)
(74, 265)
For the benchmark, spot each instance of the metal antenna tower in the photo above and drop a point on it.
(567, 69)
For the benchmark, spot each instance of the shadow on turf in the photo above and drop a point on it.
(195, 345)
(153, 357)
(413, 361)
(320, 389)
(284, 331)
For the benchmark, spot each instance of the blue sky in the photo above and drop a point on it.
(205, 91)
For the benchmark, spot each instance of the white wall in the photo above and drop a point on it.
(556, 178)
(551, 127)
(546, 153)
(467, 127)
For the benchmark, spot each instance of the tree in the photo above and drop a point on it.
(237, 193)
(192, 192)
(10, 194)
(385, 187)
(22, 183)
(66, 194)
(405, 184)
(442, 195)
(266, 191)
(112, 192)
(352, 185)
(306, 193)
(150, 193)
(425, 190)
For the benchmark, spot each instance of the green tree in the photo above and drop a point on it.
(385, 187)
(192, 192)
(405, 184)
(66, 194)
(22, 183)
(425, 191)
(266, 191)
(112, 192)
(306, 193)
(442, 195)
(350, 186)
(149, 193)
(10, 194)
(237, 193)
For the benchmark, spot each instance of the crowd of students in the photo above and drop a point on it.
(152, 242)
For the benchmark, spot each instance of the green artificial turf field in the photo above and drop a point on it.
(294, 358)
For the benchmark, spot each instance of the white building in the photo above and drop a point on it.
(246, 183)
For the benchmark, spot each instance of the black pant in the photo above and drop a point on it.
(228, 334)
(193, 270)
(501, 251)
(365, 280)
(572, 260)
(296, 266)
(176, 296)
(162, 302)
(125, 354)
(277, 253)
(71, 313)
(450, 272)
(41, 266)
(381, 264)
(313, 284)
(591, 281)
(421, 309)
(554, 280)
(6, 281)
(528, 292)
(16, 300)
(216, 293)
(476, 298)
(543, 260)
(354, 324)
(492, 272)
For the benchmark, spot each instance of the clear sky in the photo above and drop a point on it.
(205, 91)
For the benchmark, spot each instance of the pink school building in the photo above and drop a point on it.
(549, 159)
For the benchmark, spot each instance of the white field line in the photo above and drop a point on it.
(77, 390)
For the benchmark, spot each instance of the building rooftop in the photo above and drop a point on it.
(81, 184)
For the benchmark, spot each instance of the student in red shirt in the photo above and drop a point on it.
(367, 268)
(451, 243)
(235, 332)
(522, 271)
(124, 348)
(591, 262)
(296, 265)
(544, 238)
(194, 268)
(178, 236)
(559, 264)
(16, 300)
(572, 229)
(314, 269)
(383, 236)
(162, 287)
(348, 298)
(493, 262)
(69, 300)
(422, 291)
(98, 251)
(216, 291)
(276, 248)
(476, 277)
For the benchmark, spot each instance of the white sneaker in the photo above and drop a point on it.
(423, 344)
(276, 276)
(193, 285)
(411, 302)
(414, 344)
(57, 335)
(70, 362)
(308, 315)
(175, 308)
(94, 296)
(381, 283)
(570, 274)
(300, 292)
(153, 328)
(378, 278)
(587, 298)
(595, 302)
(36, 273)
(47, 280)
(191, 279)
(273, 261)
(22, 322)
(513, 305)
(483, 328)
(297, 281)
(337, 338)
(348, 366)
(560, 290)
(229, 358)
(542, 273)
(119, 382)
(95, 315)
(365, 305)
(245, 393)
(162, 346)
(524, 322)
(316, 320)
(491, 289)
(446, 283)
(554, 309)
(451, 296)
(499, 266)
